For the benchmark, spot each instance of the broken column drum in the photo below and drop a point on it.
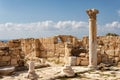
(31, 67)
(92, 37)
(31, 72)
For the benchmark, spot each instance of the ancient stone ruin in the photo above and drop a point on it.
(66, 50)
(60, 50)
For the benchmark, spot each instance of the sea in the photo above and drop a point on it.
(4, 40)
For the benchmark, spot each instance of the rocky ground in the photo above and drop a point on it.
(83, 73)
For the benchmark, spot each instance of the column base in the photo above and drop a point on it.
(92, 66)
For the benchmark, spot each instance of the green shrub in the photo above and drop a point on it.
(112, 34)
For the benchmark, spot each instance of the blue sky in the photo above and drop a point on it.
(43, 18)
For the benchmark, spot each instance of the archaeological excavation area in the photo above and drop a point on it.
(62, 57)
(60, 50)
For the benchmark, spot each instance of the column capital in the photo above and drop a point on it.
(92, 13)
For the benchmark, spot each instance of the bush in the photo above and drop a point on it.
(112, 34)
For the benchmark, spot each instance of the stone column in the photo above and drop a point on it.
(92, 37)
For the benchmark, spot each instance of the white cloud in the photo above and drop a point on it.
(114, 24)
(71, 24)
(43, 28)
(51, 28)
(113, 27)
(44, 25)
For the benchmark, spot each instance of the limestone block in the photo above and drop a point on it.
(14, 44)
(110, 52)
(2, 53)
(61, 59)
(104, 58)
(99, 59)
(72, 61)
(5, 63)
(57, 54)
(60, 45)
(118, 64)
(62, 54)
(13, 61)
(84, 62)
(78, 60)
(43, 54)
(106, 47)
(84, 59)
(53, 59)
(50, 54)
(111, 47)
(87, 56)
(15, 51)
(0, 58)
(117, 59)
(82, 54)
(6, 70)
(110, 60)
(6, 58)
(117, 52)
(100, 42)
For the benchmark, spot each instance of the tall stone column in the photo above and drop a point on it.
(92, 37)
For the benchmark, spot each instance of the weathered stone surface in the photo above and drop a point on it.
(117, 52)
(6, 58)
(53, 49)
(92, 37)
(31, 72)
(14, 61)
(67, 71)
(72, 61)
(117, 59)
(110, 52)
(6, 70)
(84, 63)
(99, 59)
(78, 60)
(104, 58)
(82, 54)
(5, 63)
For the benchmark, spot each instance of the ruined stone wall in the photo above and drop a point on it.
(47, 45)
(10, 53)
(108, 50)
(109, 47)
(53, 49)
